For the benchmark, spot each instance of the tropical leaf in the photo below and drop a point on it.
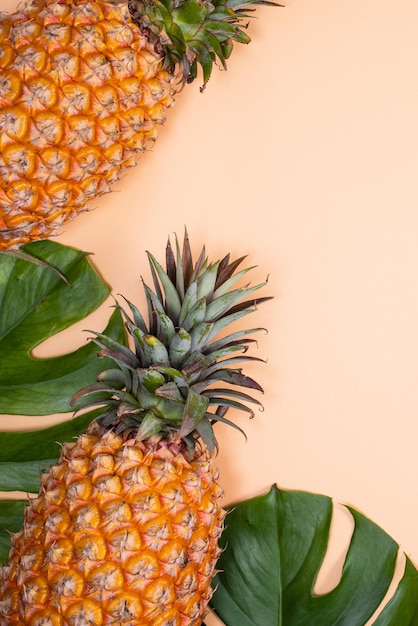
(33, 445)
(11, 517)
(23, 476)
(35, 304)
(274, 546)
(23, 455)
(38, 300)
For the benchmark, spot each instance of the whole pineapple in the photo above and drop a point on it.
(84, 85)
(125, 527)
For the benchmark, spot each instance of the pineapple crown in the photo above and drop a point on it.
(168, 384)
(194, 32)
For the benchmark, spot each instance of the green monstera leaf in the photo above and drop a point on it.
(274, 546)
(35, 304)
(42, 292)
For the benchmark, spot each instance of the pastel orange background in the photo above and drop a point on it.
(303, 155)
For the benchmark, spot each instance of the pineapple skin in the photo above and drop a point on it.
(122, 532)
(82, 92)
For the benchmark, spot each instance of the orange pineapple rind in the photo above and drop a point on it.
(53, 99)
(92, 551)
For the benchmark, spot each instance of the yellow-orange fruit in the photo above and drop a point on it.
(82, 91)
(122, 532)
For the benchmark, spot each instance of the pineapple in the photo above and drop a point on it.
(125, 527)
(84, 86)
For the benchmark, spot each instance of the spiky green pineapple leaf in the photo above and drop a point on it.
(274, 546)
(35, 304)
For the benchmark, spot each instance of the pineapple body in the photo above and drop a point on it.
(123, 532)
(84, 86)
(125, 528)
(82, 91)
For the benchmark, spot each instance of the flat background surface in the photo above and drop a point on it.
(303, 155)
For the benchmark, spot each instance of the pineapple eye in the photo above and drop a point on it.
(188, 580)
(99, 69)
(174, 553)
(160, 592)
(125, 541)
(50, 128)
(143, 566)
(84, 613)
(32, 558)
(106, 576)
(69, 583)
(87, 516)
(56, 161)
(116, 513)
(36, 590)
(24, 195)
(21, 158)
(57, 36)
(65, 66)
(91, 546)
(40, 93)
(60, 552)
(14, 122)
(10, 83)
(126, 606)
(59, 521)
(83, 130)
(30, 60)
(77, 99)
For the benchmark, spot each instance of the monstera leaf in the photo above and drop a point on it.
(274, 546)
(35, 304)
(38, 300)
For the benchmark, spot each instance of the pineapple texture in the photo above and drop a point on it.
(123, 532)
(82, 91)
